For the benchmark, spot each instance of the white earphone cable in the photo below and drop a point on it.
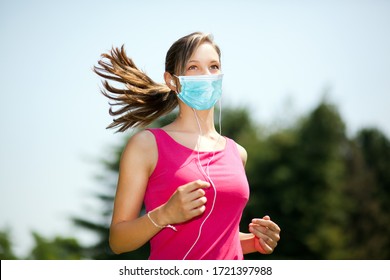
(206, 172)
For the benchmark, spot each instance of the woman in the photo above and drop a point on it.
(190, 178)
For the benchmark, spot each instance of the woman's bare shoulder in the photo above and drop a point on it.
(141, 147)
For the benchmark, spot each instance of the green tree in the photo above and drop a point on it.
(6, 248)
(296, 176)
(368, 163)
(322, 143)
(58, 248)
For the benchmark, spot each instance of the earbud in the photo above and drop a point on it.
(173, 83)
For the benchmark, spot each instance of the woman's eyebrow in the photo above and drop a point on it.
(197, 61)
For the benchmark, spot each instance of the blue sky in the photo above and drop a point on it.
(278, 57)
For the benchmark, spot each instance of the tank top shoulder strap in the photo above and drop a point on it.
(163, 140)
(157, 132)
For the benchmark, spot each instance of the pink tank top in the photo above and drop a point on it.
(178, 165)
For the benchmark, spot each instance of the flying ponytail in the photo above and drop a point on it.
(141, 101)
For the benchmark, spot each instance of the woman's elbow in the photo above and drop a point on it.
(119, 246)
(114, 246)
(115, 243)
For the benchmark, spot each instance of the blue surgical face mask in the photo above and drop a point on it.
(200, 92)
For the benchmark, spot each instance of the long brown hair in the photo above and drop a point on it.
(142, 100)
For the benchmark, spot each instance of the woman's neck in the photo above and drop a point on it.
(199, 122)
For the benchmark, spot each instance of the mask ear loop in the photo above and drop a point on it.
(206, 173)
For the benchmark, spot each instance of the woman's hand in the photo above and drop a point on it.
(267, 234)
(187, 202)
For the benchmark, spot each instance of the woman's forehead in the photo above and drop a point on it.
(205, 51)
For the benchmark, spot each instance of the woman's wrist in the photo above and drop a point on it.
(158, 219)
(160, 216)
(247, 243)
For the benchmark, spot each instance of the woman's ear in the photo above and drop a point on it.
(171, 81)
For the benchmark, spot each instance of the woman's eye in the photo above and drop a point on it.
(192, 67)
(215, 67)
